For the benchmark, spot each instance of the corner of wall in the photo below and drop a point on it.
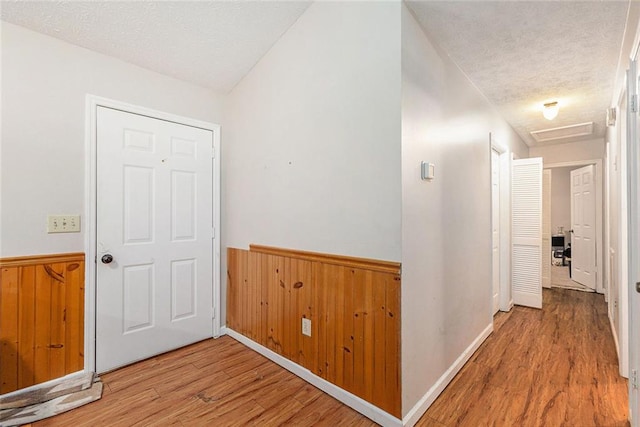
(432, 394)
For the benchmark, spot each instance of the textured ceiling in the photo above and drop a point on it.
(522, 54)
(519, 54)
(209, 43)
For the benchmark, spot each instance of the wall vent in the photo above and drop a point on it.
(582, 129)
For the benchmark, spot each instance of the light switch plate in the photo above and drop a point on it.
(306, 327)
(427, 171)
(63, 223)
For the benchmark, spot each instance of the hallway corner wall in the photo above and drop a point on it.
(446, 222)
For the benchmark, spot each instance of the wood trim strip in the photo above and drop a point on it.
(22, 261)
(342, 260)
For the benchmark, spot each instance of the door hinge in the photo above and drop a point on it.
(634, 379)
(634, 103)
(214, 313)
(213, 233)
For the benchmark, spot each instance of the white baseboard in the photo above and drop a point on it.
(365, 408)
(615, 336)
(223, 331)
(508, 308)
(430, 396)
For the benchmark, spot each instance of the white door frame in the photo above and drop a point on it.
(622, 244)
(600, 256)
(633, 247)
(506, 300)
(606, 267)
(90, 226)
(495, 216)
(546, 218)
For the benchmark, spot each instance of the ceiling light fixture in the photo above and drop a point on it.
(550, 110)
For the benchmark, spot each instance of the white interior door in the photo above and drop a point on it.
(154, 218)
(583, 226)
(526, 232)
(546, 228)
(495, 227)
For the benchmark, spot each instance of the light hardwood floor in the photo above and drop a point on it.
(550, 367)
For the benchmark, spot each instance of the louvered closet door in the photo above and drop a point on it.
(526, 232)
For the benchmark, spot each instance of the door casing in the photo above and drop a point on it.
(546, 227)
(90, 226)
(505, 298)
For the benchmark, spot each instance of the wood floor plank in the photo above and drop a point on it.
(277, 414)
(311, 414)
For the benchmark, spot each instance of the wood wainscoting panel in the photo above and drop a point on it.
(41, 319)
(354, 309)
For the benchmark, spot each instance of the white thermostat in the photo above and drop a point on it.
(428, 171)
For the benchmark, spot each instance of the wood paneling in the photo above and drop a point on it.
(41, 319)
(353, 304)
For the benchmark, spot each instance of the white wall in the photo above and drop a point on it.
(561, 199)
(617, 216)
(312, 137)
(446, 235)
(582, 150)
(44, 84)
(617, 197)
(617, 252)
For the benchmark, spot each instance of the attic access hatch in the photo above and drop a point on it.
(582, 129)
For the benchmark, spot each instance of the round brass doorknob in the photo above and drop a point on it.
(106, 258)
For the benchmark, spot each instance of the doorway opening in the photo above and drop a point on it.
(575, 217)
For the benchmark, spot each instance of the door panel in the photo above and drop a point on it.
(583, 219)
(154, 216)
(526, 232)
(183, 289)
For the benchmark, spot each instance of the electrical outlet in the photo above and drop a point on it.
(306, 327)
(63, 223)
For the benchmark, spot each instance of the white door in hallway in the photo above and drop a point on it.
(154, 268)
(583, 220)
(495, 227)
(526, 232)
